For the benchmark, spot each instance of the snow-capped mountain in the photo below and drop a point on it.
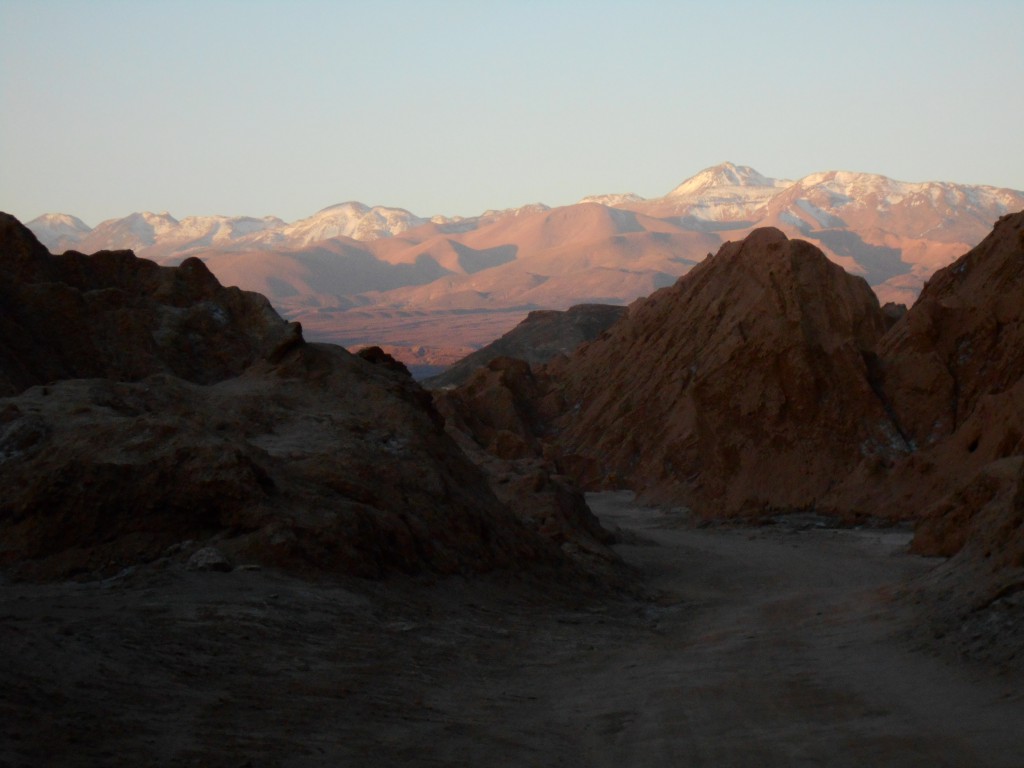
(725, 176)
(895, 234)
(154, 233)
(722, 193)
(135, 230)
(725, 195)
(159, 235)
(59, 231)
(863, 201)
(352, 219)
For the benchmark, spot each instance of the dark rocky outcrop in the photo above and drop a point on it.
(112, 315)
(153, 412)
(500, 417)
(954, 372)
(506, 406)
(541, 337)
(742, 389)
(963, 339)
(319, 462)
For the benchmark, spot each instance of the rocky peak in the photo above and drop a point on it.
(23, 255)
(741, 388)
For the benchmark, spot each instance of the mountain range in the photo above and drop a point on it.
(430, 290)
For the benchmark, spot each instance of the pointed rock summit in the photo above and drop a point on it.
(742, 388)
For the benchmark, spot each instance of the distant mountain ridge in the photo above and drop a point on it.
(428, 290)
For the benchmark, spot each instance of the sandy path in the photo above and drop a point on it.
(759, 647)
(783, 648)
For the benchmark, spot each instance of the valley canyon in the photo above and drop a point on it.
(698, 489)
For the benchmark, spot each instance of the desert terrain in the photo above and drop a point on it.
(223, 545)
(779, 645)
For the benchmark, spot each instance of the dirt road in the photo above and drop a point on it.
(756, 647)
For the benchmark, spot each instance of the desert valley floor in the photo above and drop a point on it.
(780, 645)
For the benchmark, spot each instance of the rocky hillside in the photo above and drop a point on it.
(742, 389)
(954, 372)
(150, 412)
(769, 378)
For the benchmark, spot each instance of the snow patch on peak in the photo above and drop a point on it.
(208, 230)
(613, 200)
(523, 210)
(58, 231)
(726, 175)
(61, 220)
(348, 206)
(351, 219)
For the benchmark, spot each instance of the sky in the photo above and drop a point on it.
(448, 107)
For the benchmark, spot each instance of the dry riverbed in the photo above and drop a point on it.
(773, 646)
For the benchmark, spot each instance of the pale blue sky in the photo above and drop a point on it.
(283, 108)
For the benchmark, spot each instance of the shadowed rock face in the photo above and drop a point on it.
(112, 315)
(541, 337)
(180, 413)
(283, 465)
(963, 340)
(954, 371)
(499, 417)
(741, 389)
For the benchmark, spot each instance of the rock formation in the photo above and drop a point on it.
(542, 336)
(954, 373)
(112, 315)
(767, 380)
(153, 412)
(499, 417)
(743, 388)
